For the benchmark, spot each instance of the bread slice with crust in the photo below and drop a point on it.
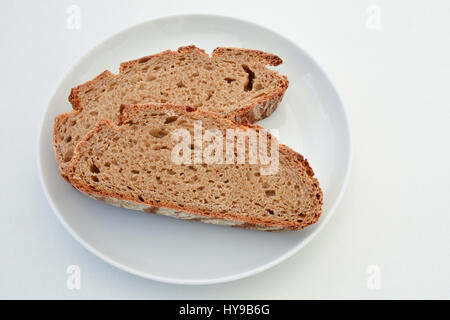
(232, 82)
(131, 165)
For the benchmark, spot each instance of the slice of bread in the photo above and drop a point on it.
(232, 82)
(131, 165)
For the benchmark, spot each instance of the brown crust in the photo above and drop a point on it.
(151, 206)
(74, 98)
(262, 108)
(268, 58)
(59, 119)
(258, 110)
(125, 65)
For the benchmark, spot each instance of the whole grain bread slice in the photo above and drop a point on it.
(131, 165)
(232, 82)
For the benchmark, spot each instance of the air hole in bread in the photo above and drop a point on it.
(94, 169)
(210, 94)
(229, 80)
(158, 132)
(170, 119)
(144, 59)
(68, 155)
(270, 193)
(95, 179)
(159, 147)
(251, 75)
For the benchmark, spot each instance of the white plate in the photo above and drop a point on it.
(311, 120)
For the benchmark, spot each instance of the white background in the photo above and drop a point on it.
(394, 80)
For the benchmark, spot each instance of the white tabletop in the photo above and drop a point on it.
(390, 235)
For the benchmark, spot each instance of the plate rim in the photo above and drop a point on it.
(222, 279)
